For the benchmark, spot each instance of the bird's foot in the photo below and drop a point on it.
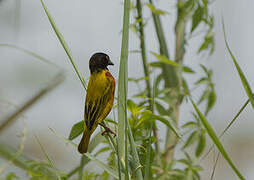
(107, 130)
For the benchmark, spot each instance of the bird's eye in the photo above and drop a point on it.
(107, 58)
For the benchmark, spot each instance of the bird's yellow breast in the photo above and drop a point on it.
(98, 83)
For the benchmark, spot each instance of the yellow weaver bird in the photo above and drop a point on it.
(99, 97)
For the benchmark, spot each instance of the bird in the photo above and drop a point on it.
(99, 97)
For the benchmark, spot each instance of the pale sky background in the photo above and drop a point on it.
(91, 26)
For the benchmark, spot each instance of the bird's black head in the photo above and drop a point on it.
(99, 61)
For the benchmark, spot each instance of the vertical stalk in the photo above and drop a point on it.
(123, 86)
(180, 27)
(171, 79)
(146, 67)
(171, 75)
(123, 130)
(143, 50)
(168, 71)
(81, 167)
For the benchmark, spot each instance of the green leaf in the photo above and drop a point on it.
(11, 176)
(76, 130)
(155, 64)
(133, 108)
(157, 82)
(203, 80)
(110, 121)
(187, 69)
(190, 125)
(211, 101)
(154, 10)
(208, 42)
(216, 140)
(165, 60)
(204, 96)
(204, 69)
(201, 145)
(161, 109)
(240, 72)
(169, 124)
(191, 139)
(185, 87)
(197, 17)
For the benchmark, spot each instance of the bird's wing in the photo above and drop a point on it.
(98, 101)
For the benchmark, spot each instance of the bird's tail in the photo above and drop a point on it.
(83, 145)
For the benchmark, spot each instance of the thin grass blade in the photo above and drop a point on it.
(228, 126)
(236, 116)
(62, 41)
(31, 53)
(240, 72)
(216, 140)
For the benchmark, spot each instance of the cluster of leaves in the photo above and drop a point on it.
(198, 12)
(209, 93)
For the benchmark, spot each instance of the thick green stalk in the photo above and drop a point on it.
(122, 83)
(171, 79)
(122, 97)
(180, 26)
(168, 71)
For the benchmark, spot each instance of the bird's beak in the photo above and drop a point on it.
(110, 63)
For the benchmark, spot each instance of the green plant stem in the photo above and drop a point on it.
(122, 81)
(143, 51)
(58, 79)
(171, 78)
(81, 167)
(168, 71)
(180, 27)
(146, 68)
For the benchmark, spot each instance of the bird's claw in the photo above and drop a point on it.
(107, 130)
